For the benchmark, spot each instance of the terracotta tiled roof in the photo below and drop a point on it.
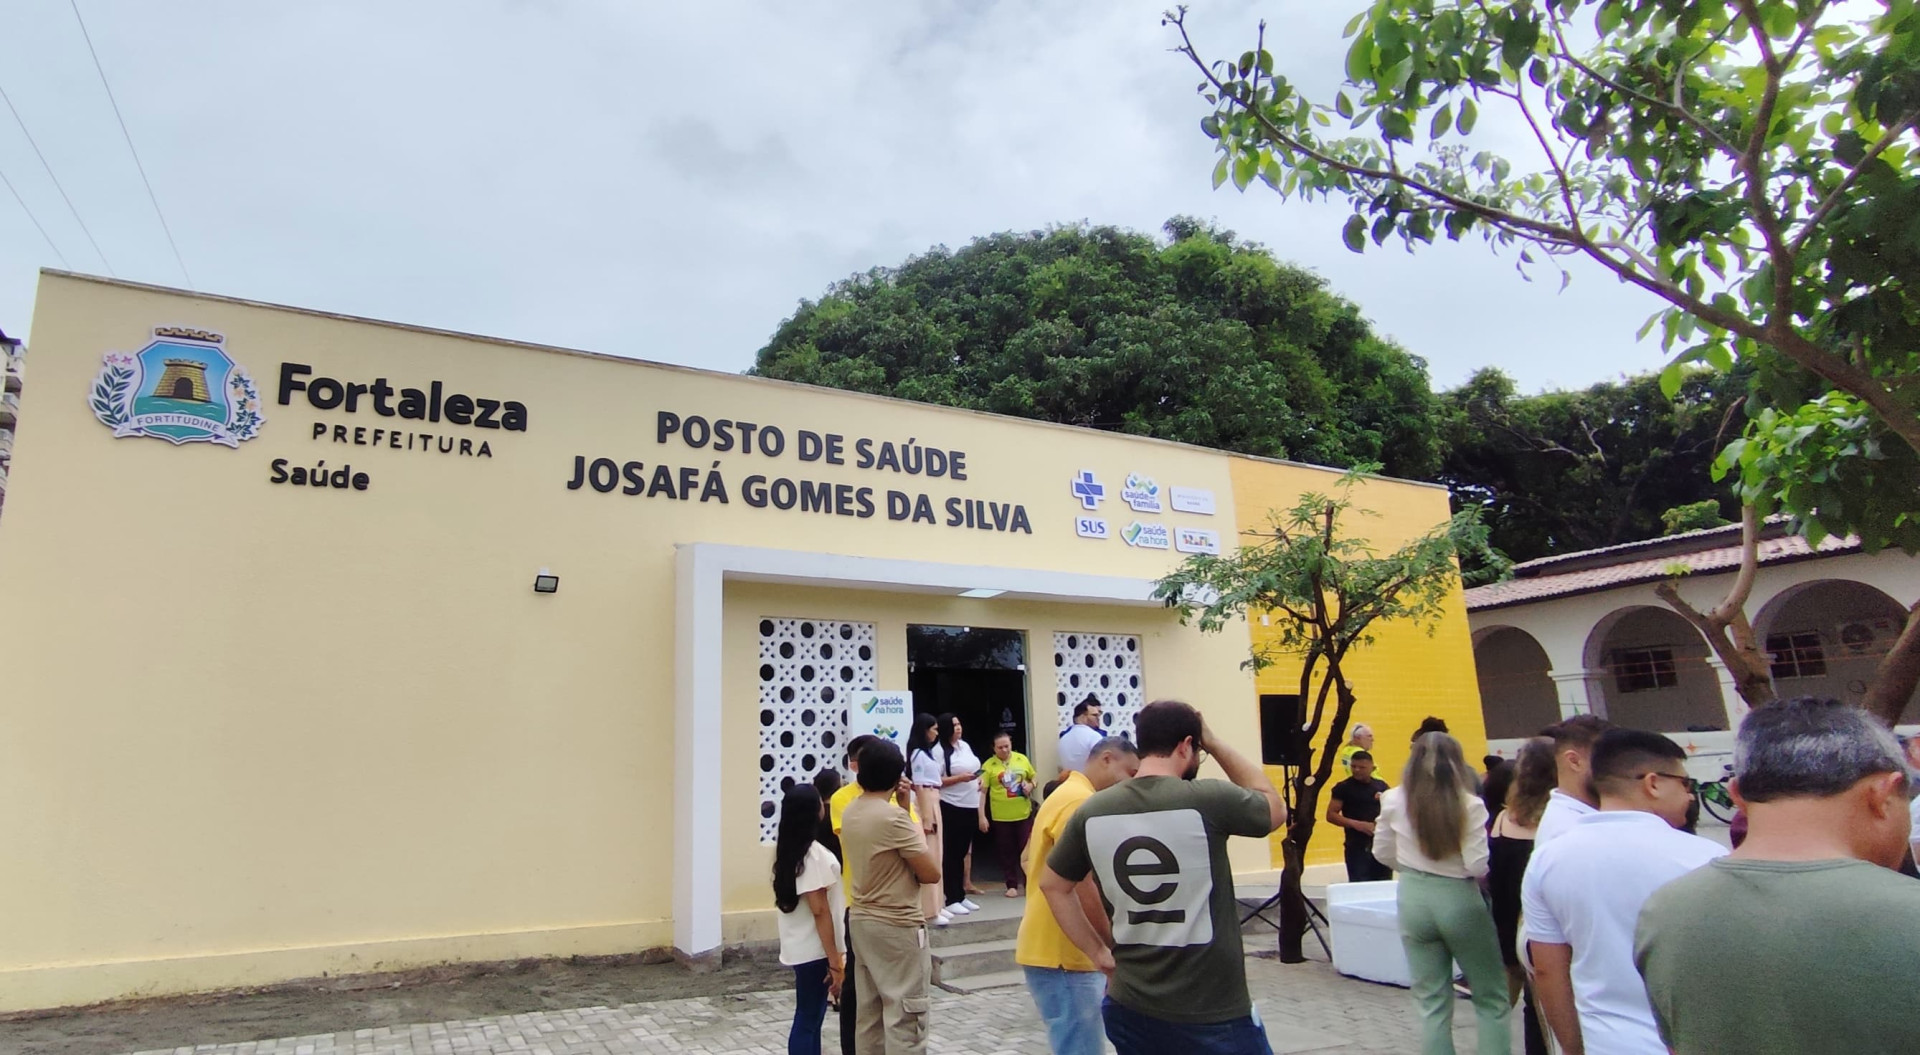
(1589, 571)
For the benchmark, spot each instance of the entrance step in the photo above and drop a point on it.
(975, 951)
(954, 962)
(976, 983)
(972, 931)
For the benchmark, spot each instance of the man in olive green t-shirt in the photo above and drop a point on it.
(1803, 941)
(1157, 849)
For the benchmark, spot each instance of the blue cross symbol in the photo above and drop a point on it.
(1087, 490)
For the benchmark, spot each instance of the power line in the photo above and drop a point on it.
(88, 37)
(56, 180)
(36, 221)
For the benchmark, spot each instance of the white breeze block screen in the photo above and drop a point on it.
(809, 670)
(1106, 666)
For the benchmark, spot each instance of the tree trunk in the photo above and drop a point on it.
(1293, 901)
(1725, 627)
(1898, 673)
(1307, 783)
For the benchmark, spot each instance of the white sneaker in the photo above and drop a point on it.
(958, 908)
(942, 920)
(970, 905)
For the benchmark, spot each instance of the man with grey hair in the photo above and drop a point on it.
(1801, 941)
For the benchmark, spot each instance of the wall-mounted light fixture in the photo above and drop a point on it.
(546, 582)
(981, 594)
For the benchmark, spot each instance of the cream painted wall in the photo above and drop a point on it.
(255, 732)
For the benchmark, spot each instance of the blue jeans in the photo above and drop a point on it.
(1069, 1003)
(1133, 1033)
(809, 1007)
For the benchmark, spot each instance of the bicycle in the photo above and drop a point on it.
(1715, 800)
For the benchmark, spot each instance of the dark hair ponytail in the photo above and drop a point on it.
(947, 721)
(799, 821)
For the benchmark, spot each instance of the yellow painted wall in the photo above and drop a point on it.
(1406, 674)
(255, 732)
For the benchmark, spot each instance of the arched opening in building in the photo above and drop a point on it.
(1827, 637)
(1654, 673)
(1517, 696)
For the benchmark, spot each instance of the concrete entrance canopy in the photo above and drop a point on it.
(701, 573)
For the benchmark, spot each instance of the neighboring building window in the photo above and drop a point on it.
(1644, 669)
(1797, 655)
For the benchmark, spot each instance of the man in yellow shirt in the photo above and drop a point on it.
(837, 805)
(1066, 987)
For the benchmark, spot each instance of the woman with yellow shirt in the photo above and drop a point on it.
(1007, 807)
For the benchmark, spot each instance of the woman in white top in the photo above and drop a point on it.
(925, 765)
(960, 820)
(806, 890)
(1433, 831)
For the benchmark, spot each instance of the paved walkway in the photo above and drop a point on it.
(1307, 1008)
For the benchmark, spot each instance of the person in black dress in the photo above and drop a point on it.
(1509, 848)
(1354, 804)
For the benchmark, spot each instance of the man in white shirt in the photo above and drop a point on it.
(1078, 740)
(1573, 742)
(1583, 893)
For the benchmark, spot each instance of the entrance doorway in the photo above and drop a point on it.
(980, 676)
(976, 673)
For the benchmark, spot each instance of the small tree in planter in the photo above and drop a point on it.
(1325, 592)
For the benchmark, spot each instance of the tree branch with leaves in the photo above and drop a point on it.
(1325, 592)
(1750, 163)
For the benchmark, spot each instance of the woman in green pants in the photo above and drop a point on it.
(1433, 832)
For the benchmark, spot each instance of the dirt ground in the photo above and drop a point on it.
(367, 1002)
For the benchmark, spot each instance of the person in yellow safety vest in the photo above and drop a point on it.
(1360, 739)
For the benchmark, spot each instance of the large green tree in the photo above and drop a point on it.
(1200, 338)
(1750, 164)
(1565, 471)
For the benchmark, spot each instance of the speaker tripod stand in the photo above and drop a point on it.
(1315, 919)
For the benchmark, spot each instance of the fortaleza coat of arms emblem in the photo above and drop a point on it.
(182, 387)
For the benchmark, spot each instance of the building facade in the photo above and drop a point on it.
(342, 646)
(13, 368)
(1586, 633)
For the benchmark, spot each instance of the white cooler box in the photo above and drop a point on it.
(1365, 925)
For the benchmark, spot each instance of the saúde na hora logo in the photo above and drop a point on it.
(182, 388)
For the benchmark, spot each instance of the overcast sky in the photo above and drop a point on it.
(669, 180)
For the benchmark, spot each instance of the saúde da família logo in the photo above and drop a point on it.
(182, 387)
